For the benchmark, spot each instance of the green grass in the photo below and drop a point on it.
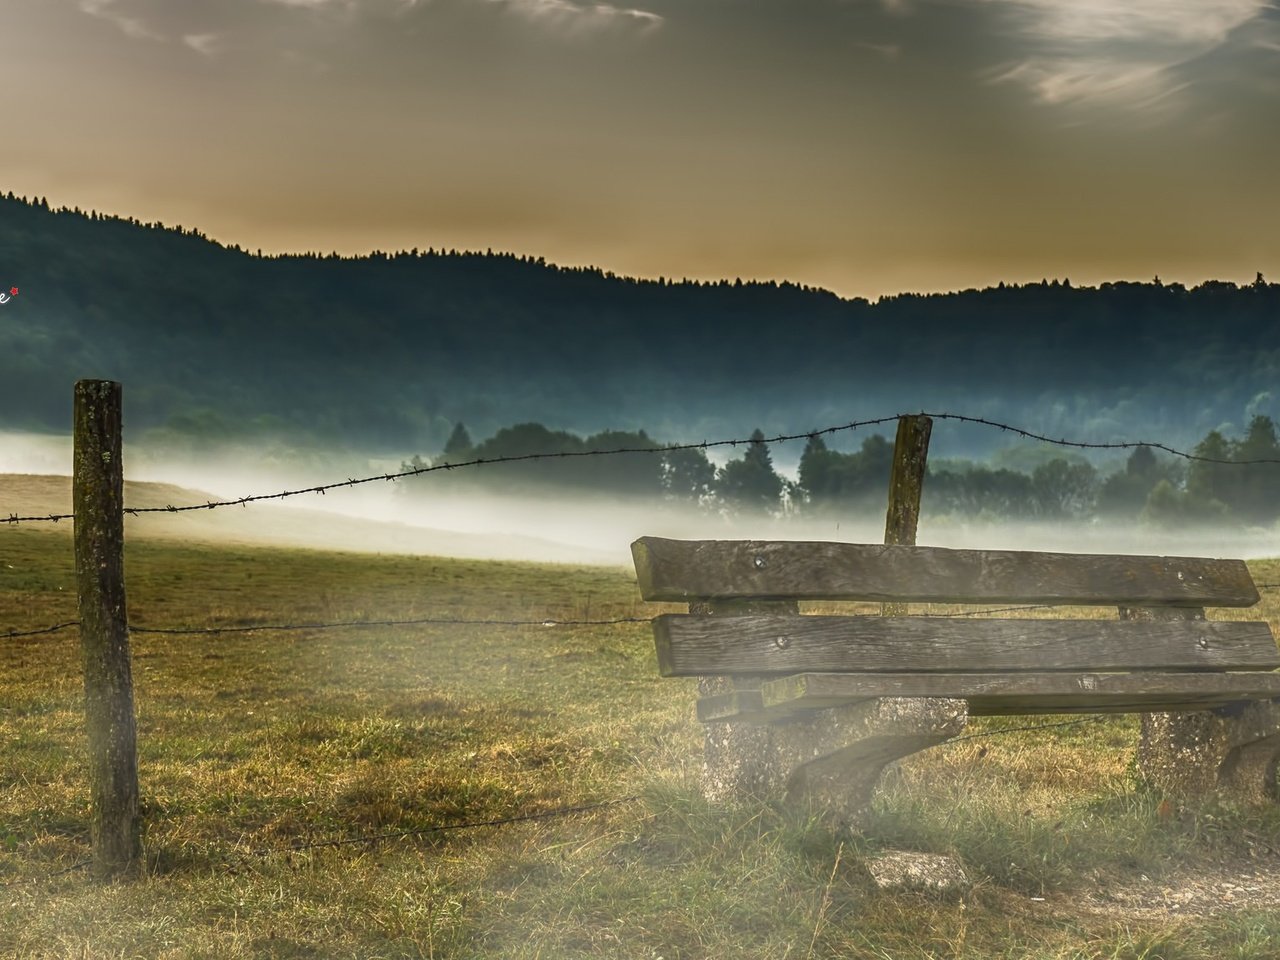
(252, 743)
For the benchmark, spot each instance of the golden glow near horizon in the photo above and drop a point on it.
(867, 147)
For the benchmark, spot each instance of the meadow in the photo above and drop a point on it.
(268, 759)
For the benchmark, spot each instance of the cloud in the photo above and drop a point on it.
(890, 51)
(1066, 80)
(1194, 22)
(107, 10)
(1130, 53)
(574, 17)
(204, 43)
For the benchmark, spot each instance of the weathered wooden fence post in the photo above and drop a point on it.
(910, 455)
(98, 502)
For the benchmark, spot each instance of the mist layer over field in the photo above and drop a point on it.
(423, 515)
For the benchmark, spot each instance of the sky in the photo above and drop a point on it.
(866, 146)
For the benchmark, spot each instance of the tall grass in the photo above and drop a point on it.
(254, 744)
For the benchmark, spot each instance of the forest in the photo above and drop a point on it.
(384, 353)
(1152, 487)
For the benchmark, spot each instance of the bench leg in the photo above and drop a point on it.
(839, 756)
(1233, 753)
(738, 759)
(834, 758)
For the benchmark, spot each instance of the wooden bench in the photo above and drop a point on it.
(833, 699)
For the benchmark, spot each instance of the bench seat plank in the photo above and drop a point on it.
(684, 570)
(992, 694)
(697, 645)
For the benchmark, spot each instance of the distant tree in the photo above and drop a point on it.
(1167, 506)
(980, 492)
(1216, 490)
(1208, 483)
(688, 475)
(1065, 489)
(638, 474)
(459, 444)
(1253, 491)
(828, 478)
(815, 468)
(1125, 492)
(750, 483)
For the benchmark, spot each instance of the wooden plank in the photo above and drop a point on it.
(691, 645)
(683, 570)
(992, 694)
(734, 705)
(910, 454)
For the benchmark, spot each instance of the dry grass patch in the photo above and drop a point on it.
(254, 744)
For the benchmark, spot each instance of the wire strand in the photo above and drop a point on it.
(1032, 726)
(35, 633)
(248, 628)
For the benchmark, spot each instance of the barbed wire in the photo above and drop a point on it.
(35, 633)
(1030, 726)
(667, 448)
(976, 613)
(335, 624)
(1085, 445)
(466, 621)
(383, 623)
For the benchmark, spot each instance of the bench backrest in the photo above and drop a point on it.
(693, 570)
(743, 621)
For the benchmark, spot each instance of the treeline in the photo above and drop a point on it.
(387, 351)
(1151, 487)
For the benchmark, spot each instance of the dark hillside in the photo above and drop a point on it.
(387, 351)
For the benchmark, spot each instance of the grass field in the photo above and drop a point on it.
(253, 743)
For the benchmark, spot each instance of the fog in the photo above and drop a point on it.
(420, 516)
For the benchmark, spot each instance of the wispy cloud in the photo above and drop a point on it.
(308, 3)
(890, 51)
(1100, 50)
(573, 17)
(108, 10)
(1072, 79)
(1195, 22)
(203, 43)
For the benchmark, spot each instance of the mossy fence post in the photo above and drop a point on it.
(906, 483)
(97, 491)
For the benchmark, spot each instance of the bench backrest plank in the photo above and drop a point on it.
(693, 645)
(685, 570)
